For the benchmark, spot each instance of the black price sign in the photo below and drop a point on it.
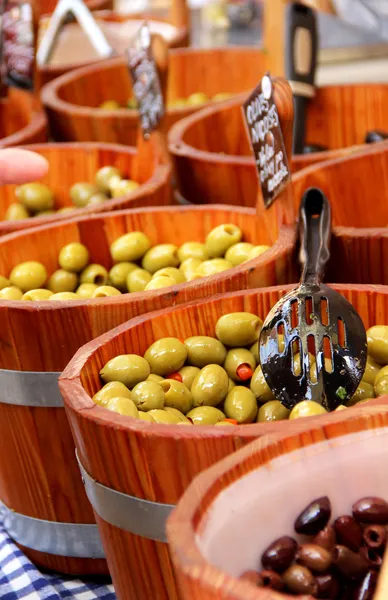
(18, 44)
(265, 135)
(145, 81)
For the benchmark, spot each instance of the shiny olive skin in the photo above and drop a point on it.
(148, 395)
(210, 386)
(80, 193)
(192, 250)
(63, 296)
(122, 187)
(145, 416)
(231, 384)
(157, 283)
(235, 358)
(137, 280)
(377, 338)
(37, 295)
(11, 293)
(35, 197)
(123, 406)
(16, 212)
(4, 282)
(260, 387)
(29, 275)
(307, 408)
(166, 356)
(272, 411)
(130, 247)
(240, 404)
(118, 275)
(221, 238)
(205, 415)
(130, 369)
(364, 390)
(238, 329)
(188, 375)
(104, 291)
(156, 378)
(112, 389)
(109, 105)
(104, 175)
(176, 395)
(97, 199)
(255, 351)
(211, 267)
(239, 253)
(203, 350)
(62, 281)
(86, 290)
(73, 257)
(257, 251)
(159, 257)
(189, 267)
(94, 274)
(381, 383)
(224, 423)
(172, 272)
(197, 98)
(372, 369)
(178, 414)
(164, 417)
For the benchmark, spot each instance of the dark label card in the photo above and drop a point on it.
(18, 44)
(265, 135)
(145, 81)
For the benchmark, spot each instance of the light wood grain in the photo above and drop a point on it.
(161, 461)
(22, 120)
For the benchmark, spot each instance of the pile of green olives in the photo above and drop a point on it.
(218, 380)
(196, 99)
(137, 266)
(36, 199)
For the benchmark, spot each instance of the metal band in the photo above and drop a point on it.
(63, 539)
(30, 388)
(140, 517)
(302, 89)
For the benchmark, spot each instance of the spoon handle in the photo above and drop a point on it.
(314, 234)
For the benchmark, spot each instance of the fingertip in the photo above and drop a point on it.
(21, 166)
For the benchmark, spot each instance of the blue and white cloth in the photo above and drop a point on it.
(21, 580)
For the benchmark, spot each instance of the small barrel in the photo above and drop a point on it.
(235, 510)
(136, 471)
(22, 120)
(72, 100)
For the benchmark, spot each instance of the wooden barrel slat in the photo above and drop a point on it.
(22, 120)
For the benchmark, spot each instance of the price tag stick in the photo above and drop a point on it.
(381, 592)
(159, 50)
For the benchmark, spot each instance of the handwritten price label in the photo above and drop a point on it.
(266, 139)
(18, 44)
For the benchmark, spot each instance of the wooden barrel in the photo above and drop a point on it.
(233, 511)
(72, 100)
(22, 121)
(160, 460)
(39, 476)
(210, 148)
(357, 190)
(73, 163)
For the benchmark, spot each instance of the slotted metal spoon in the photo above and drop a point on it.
(316, 321)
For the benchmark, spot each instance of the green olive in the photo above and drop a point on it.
(62, 281)
(172, 272)
(257, 251)
(16, 212)
(260, 387)
(156, 378)
(188, 375)
(164, 417)
(45, 213)
(221, 238)
(239, 253)
(35, 197)
(103, 291)
(377, 338)
(97, 199)
(176, 395)
(272, 411)
(130, 247)
(137, 280)
(122, 187)
(73, 257)
(381, 383)
(238, 329)
(64, 296)
(157, 283)
(223, 423)
(96, 274)
(130, 369)
(197, 98)
(372, 369)
(159, 257)
(307, 408)
(205, 415)
(240, 404)
(364, 390)
(109, 105)
(340, 407)
(189, 267)
(231, 384)
(66, 209)
(112, 389)
(80, 193)
(192, 250)
(235, 359)
(177, 103)
(119, 273)
(29, 275)
(4, 282)
(212, 267)
(11, 293)
(221, 96)
(166, 356)
(210, 386)
(123, 406)
(203, 350)
(178, 414)
(148, 395)
(86, 290)
(37, 295)
(145, 416)
(104, 175)
(256, 351)
(132, 103)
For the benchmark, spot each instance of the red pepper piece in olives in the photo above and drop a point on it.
(371, 510)
(280, 554)
(314, 517)
(348, 532)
